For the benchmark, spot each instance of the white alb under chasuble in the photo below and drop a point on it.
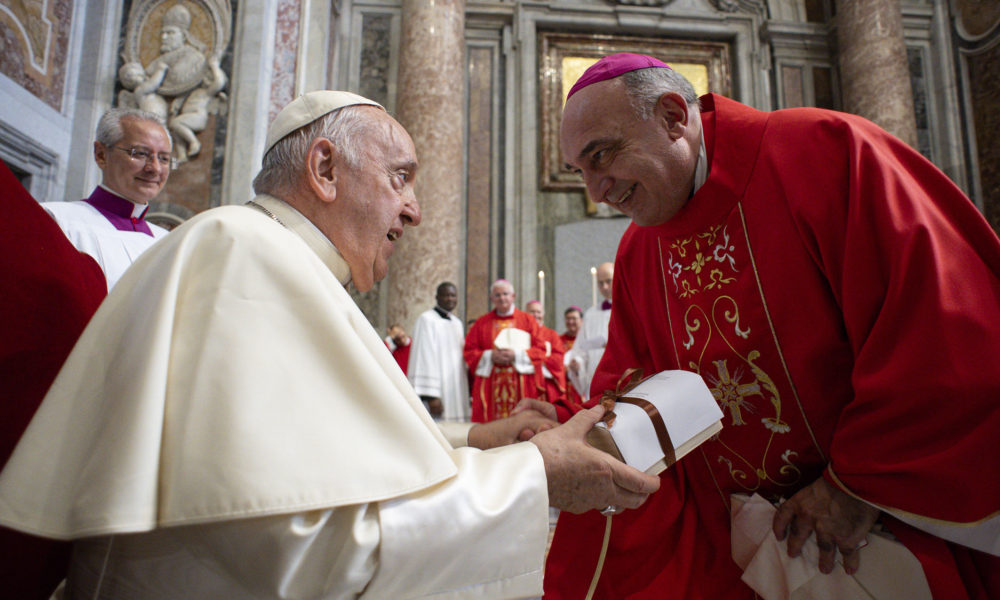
(233, 377)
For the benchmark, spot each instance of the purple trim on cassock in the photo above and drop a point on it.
(120, 212)
(606, 305)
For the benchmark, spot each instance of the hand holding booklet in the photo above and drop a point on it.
(653, 422)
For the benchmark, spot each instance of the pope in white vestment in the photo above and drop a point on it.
(437, 367)
(230, 426)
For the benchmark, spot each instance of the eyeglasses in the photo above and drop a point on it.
(146, 156)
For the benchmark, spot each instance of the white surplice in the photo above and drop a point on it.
(588, 349)
(437, 367)
(230, 425)
(91, 233)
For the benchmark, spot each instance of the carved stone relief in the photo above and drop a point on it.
(172, 56)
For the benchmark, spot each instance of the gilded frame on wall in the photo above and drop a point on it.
(564, 57)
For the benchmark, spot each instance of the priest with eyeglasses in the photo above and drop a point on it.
(133, 150)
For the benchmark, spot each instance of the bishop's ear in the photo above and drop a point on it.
(674, 112)
(321, 169)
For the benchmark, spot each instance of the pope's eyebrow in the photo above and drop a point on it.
(582, 156)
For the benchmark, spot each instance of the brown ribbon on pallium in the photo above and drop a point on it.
(628, 381)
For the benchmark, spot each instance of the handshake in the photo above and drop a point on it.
(580, 477)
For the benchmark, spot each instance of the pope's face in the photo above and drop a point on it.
(643, 169)
(376, 200)
(136, 179)
(502, 296)
(573, 321)
(535, 309)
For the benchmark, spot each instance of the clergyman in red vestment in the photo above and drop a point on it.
(839, 295)
(502, 376)
(572, 319)
(550, 373)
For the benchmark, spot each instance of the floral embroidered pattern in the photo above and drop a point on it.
(704, 274)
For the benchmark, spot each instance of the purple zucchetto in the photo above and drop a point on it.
(612, 66)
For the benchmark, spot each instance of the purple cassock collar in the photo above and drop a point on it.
(606, 305)
(123, 214)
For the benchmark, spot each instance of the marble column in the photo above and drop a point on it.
(874, 72)
(430, 104)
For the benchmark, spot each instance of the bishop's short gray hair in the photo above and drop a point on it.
(283, 163)
(645, 87)
(109, 127)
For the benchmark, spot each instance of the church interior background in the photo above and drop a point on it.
(479, 85)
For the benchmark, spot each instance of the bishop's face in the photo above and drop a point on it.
(573, 321)
(535, 309)
(502, 296)
(642, 168)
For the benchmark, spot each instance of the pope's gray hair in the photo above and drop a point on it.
(645, 87)
(109, 127)
(284, 162)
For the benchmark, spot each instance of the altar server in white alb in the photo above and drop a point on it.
(582, 359)
(437, 368)
(133, 152)
(230, 425)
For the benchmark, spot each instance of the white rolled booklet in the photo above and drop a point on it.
(653, 422)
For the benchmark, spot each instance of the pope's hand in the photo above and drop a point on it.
(581, 477)
(840, 522)
(518, 427)
(546, 408)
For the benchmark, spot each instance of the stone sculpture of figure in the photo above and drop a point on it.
(193, 116)
(141, 88)
(182, 54)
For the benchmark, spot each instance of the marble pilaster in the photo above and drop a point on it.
(874, 72)
(430, 104)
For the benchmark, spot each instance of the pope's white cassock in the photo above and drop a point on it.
(230, 426)
(437, 367)
(588, 349)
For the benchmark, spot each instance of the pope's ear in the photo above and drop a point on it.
(321, 169)
(674, 113)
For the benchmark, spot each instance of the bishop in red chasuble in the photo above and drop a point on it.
(503, 371)
(841, 298)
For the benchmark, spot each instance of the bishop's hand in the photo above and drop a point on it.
(840, 521)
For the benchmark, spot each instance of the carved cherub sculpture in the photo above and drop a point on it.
(193, 116)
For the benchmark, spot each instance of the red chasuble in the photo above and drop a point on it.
(49, 292)
(494, 396)
(841, 299)
(550, 389)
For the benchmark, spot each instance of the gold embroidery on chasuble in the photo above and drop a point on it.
(721, 330)
(505, 381)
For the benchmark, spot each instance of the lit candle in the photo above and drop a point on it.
(541, 288)
(593, 286)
